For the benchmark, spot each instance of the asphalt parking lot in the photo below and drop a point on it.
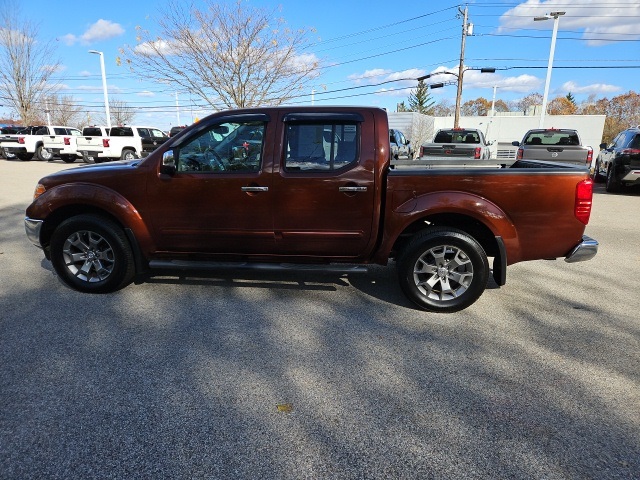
(320, 376)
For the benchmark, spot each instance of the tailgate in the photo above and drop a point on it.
(556, 153)
(449, 150)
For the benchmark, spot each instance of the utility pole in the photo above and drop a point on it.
(465, 31)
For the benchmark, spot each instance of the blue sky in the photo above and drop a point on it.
(365, 48)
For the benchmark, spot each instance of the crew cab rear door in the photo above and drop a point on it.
(323, 185)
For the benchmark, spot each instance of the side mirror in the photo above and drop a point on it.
(515, 143)
(603, 146)
(168, 163)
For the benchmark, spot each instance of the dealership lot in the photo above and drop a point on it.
(320, 376)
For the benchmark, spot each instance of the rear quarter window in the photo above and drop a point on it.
(121, 132)
(92, 132)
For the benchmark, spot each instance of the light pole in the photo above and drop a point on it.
(104, 86)
(555, 16)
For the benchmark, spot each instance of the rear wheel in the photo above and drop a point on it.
(24, 156)
(43, 154)
(68, 158)
(128, 154)
(92, 254)
(443, 270)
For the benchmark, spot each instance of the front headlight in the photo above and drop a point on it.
(40, 189)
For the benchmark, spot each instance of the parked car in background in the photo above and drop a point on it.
(457, 143)
(400, 146)
(92, 142)
(30, 141)
(5, 132)
(124, 142)
(176, 130)
(553, 144)
(619, 162)
(62, 142)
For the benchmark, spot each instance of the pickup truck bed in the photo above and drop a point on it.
(309, 186)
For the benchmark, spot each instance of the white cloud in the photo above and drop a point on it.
(101, 30)
(594, 88)
(146, 93)
(603, 21)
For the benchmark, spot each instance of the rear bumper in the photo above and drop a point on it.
(585, 250)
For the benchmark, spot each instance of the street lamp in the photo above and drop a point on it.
(555, 16)
(104, 86)
(456, 120)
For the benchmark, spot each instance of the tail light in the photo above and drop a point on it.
(631, 151)
(477, 154)
(105, 142)
(422, 151)
(67, 141)
(520, 153)
(589, 156)
(584, 200)
(21, 140)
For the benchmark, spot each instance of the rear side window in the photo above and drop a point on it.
(121, 132)
(321, 147)
(635, 141)
(92, 132)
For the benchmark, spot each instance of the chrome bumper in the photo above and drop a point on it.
(32, 227)
(585, 250)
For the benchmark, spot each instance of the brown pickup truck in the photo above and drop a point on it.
(308, 187)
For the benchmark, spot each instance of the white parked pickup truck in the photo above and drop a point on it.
(119, 143)
(63, 143)
(30, 142)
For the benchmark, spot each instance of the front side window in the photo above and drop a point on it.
(225, 147)
(320, 146)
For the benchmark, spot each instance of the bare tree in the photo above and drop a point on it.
(524, 104)
(228, 55)
(63, 110)
(26, 65)
(121, 112)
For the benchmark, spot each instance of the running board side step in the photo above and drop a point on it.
(274, 267)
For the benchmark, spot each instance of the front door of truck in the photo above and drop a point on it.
(324, 188)
(217, 200)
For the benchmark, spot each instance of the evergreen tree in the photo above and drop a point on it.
(420, 100)
(571, 98)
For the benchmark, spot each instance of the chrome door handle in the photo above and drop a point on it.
(255, 189)
(352, 189)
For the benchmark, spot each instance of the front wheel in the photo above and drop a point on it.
(43, 154)
(613, 185)
(92, 254)
(443, 270)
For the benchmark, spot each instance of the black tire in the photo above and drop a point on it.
(92, 254)
(24, 156)
(43, 154)
(128, 154)
(68, 158)
(613, 184)
(454, 263)
(597, 178)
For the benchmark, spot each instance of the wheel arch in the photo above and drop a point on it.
(59, 204)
